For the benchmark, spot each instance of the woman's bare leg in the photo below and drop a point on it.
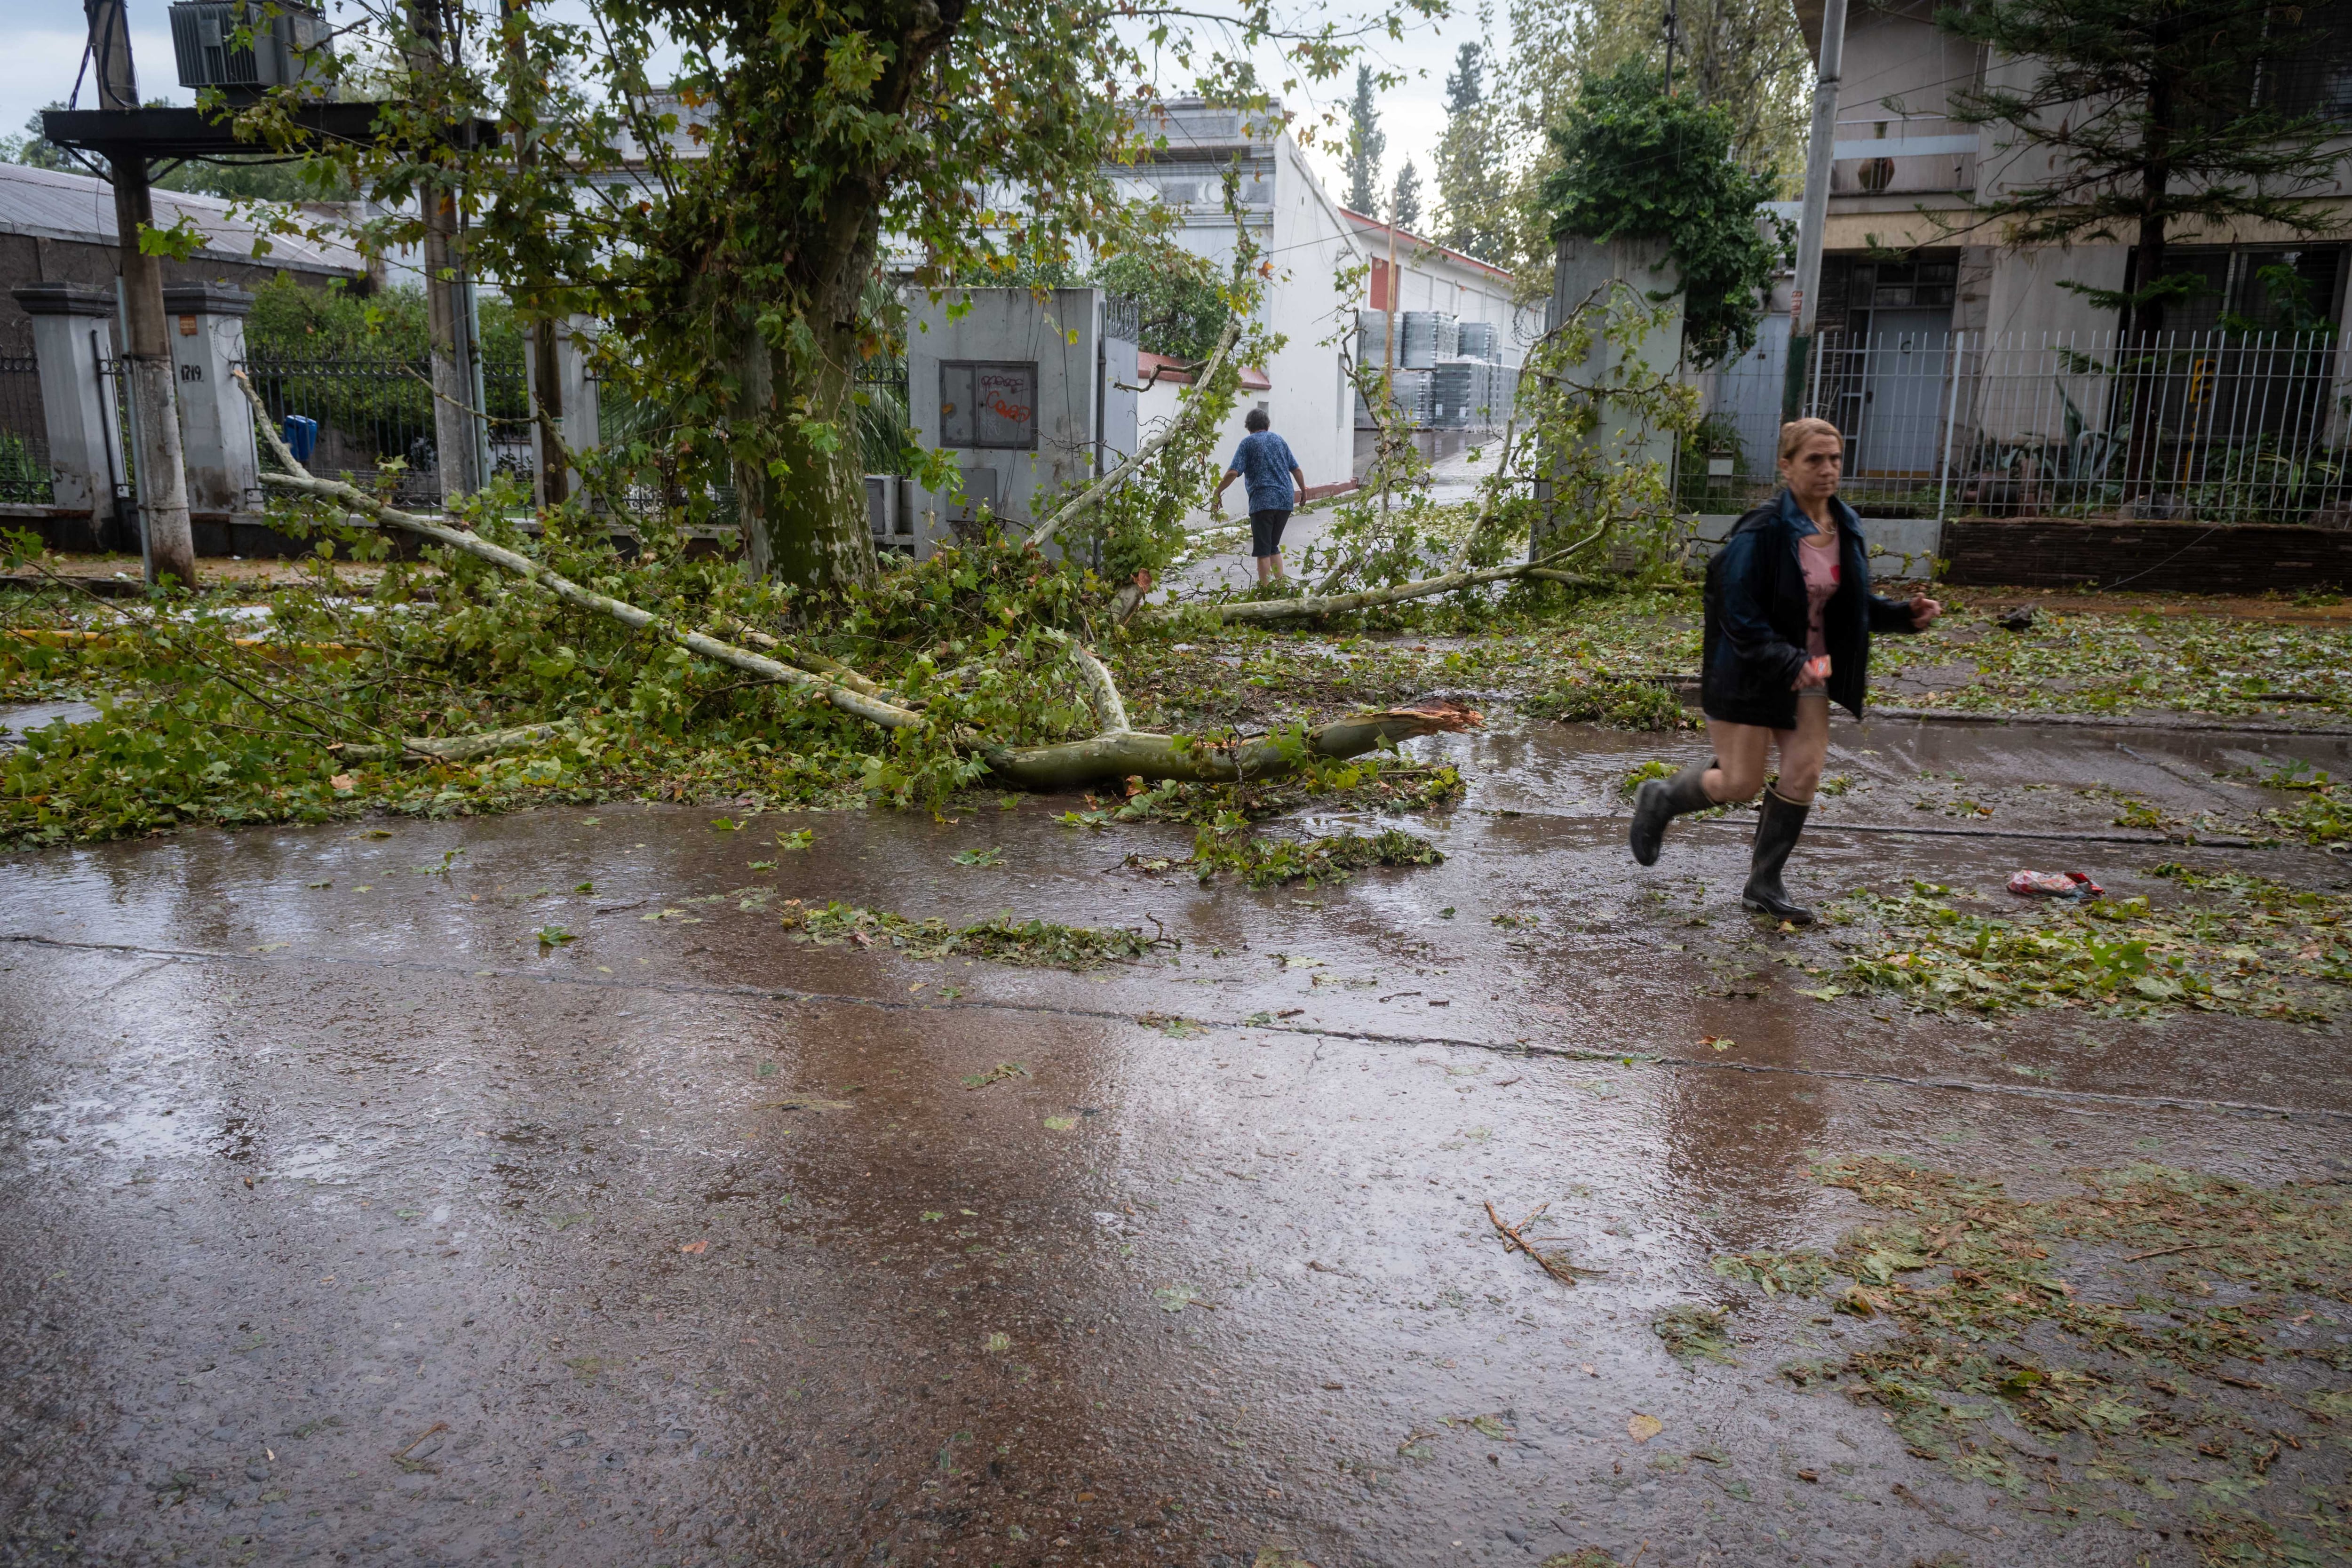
(1739, 756)
(1804, 751)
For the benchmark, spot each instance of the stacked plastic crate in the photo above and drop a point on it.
(1445, 374)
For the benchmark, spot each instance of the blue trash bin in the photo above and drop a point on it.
(301, 436)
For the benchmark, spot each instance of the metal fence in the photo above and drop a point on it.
(122, 465)
(2216, 427)
(376, 419)
(24, 428)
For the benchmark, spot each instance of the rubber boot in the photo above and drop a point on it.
(1778, 821)
(1659, 802)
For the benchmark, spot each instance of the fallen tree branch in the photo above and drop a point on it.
(1139, 752)
(1084, 499)
(1120, 754)
(300, 481)
(1110, 711)
(454, 748)
(806, 657)
(1320, 605)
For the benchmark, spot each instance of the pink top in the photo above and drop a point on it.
(1821, 568)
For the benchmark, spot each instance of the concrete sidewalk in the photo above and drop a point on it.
(344, 1218)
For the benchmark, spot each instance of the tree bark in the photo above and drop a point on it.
(2144, 452)
(1138, 754)
(806, 524)
(552, 476)
(448, 336)
(1257, 611)
(163, 479)
(795, 458)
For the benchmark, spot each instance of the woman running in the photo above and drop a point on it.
(1789, 618)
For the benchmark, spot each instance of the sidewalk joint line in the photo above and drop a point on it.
(1103, 1015)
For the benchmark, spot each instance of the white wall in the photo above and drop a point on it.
(2025, 299)
(1060, 335)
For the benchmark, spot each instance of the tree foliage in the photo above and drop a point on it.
(2152, 118)
(1636, 163)
(1182, 304)
(721, 223)
(1746, 57)
(1404, 201)
(1474, 183)
(290, 319)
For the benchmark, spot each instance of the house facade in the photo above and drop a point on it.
(57, 227)
(1904, 249)
(1972, 375)
(1329, 265)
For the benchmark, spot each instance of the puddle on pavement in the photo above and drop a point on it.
(18, 718)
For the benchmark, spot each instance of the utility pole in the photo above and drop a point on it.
(1819, 155)
(1672, 28)
(161, 477)
(448, 325)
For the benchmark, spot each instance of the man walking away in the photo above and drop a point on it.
(1267, 469)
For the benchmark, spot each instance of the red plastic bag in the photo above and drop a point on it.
(2055, 885)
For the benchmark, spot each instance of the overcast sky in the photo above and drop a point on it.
(42, 40)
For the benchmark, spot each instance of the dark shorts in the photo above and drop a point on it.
(1266, 531)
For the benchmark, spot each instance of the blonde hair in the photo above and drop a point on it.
(1797, 432)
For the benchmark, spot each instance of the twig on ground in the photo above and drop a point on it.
(1513, 1240)
(2184, 1247)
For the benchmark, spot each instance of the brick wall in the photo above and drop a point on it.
(2148, 557)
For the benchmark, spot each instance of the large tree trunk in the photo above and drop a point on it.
(797, 255)
(2143, 455)
(805, 525)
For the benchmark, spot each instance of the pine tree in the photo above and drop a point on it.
(1366, 144)
(1464, 85)
(1474, 184)
(2152, 117)
(1404, 204)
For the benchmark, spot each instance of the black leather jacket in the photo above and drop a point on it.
(1757, 618)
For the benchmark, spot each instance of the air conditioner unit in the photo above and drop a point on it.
(288, 45)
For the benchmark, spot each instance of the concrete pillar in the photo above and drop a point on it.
(578, 385)
(1604, 279)
(73, 330)
(206, 331)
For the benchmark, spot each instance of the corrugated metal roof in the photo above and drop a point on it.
(50, 204)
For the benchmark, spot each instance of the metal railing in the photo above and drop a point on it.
(1896, 154)
(2215, 426)
(24, 428)
(376, 419)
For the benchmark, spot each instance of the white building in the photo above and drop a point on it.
(1328, 264)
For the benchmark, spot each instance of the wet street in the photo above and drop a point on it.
(344, 1219)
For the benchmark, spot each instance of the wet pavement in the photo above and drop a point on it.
(342, 1220)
